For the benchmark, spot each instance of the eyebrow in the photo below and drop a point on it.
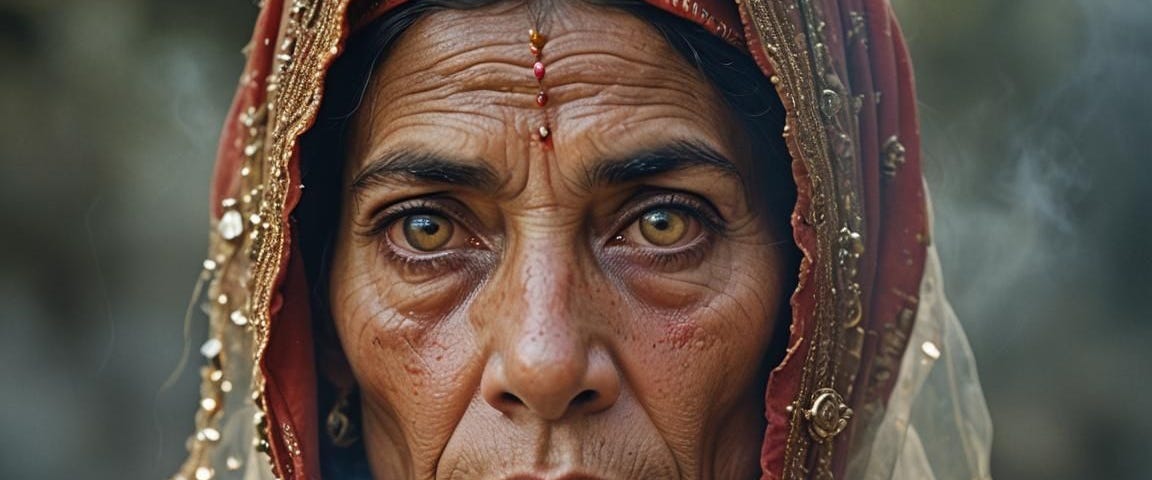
(680, 155)
(424, 167)
(431, 168)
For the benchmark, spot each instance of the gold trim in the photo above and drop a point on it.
(308, 42)
(821, 129)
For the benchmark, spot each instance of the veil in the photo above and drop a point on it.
(936, 424)
(878, 381)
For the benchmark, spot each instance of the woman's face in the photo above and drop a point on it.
(599, 304)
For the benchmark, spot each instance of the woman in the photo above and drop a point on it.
(601, 239)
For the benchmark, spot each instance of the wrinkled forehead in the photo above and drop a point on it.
(605, 67)
(488, 49)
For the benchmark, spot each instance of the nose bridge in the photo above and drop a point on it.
(542, 354)
(546, 272)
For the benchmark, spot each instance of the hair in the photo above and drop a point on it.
(731, 72)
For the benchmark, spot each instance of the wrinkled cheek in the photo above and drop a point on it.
(427, 297)
(693, 369)
(671, 295)
(419, 380)
(409, 357)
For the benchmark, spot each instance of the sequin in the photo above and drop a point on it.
(233, 463)
(204, 473)
(231, 225)
(211, 434)
(209, 265)
(211, 348)
(931, 350)
(208, 404)
(238, 318)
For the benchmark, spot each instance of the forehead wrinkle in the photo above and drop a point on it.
(631, 105)
(575, 53)
(631, 90)
(587, 73)
(480, 71)
(612, 78)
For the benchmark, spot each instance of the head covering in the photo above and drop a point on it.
(878, 381)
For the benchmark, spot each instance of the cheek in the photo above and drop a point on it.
(413, 371)
(704, 357)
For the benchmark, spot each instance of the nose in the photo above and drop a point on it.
(550, 383)
(546, 361)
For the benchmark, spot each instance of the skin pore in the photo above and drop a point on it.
(597, 307)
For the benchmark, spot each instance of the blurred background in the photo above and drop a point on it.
(1036, 113)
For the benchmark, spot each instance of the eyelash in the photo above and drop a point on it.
(390, 215)
(695, 208)
(692, 206)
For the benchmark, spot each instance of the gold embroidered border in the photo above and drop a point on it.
(821, 128)
(307, 44)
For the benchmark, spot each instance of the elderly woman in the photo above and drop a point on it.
(602, 239)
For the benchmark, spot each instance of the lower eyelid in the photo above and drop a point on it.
(429, 265)
(662, 258)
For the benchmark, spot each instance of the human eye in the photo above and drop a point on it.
(426, 235)
(669, 230)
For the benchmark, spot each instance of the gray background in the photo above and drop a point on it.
(1036, 115)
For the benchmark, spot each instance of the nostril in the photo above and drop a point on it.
(584, 398)
(509, 398)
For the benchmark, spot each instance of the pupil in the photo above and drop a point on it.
(659, 220)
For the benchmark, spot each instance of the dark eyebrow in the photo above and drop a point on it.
(424, 167)
(653, 162)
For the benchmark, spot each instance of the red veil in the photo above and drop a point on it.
(878, 381)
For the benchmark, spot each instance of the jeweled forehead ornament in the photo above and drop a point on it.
(536, 44)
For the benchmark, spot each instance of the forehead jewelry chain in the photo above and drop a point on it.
(536, 46)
